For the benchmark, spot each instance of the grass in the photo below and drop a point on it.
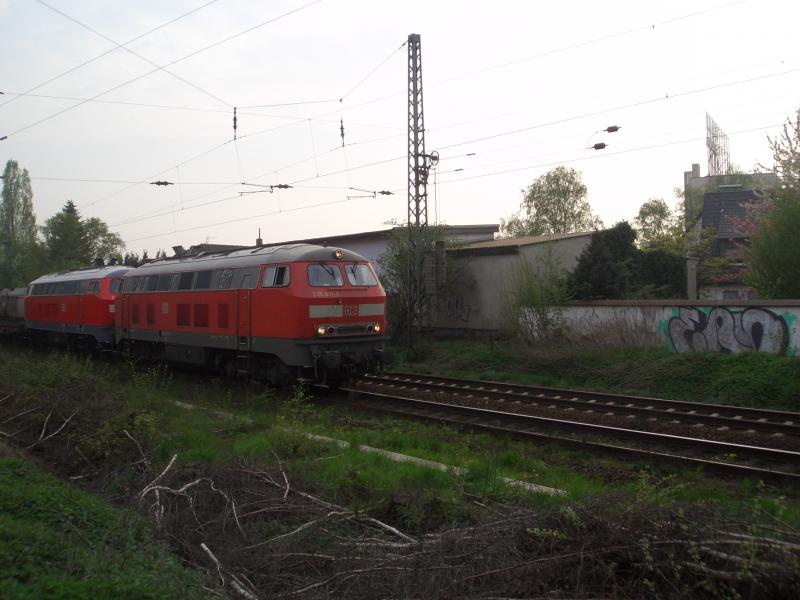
(114, 398)
(748, 379)
(59, 542)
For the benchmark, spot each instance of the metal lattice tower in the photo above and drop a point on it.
(719, 161)
(419, 164)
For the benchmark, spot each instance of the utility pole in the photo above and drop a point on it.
(419, 163)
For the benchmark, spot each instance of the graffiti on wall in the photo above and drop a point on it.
(453, 308)
(728, 331)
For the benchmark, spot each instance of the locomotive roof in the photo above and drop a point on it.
(81, 274)
(247, 257)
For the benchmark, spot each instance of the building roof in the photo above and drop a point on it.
(512, 245)
(721, 209)
(528, 240)
(455, 230)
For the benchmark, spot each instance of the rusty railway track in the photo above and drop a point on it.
(716, 415)
(784, 465)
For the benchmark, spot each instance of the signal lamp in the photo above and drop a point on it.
(320, 330)
(377, 328)
(338, 254)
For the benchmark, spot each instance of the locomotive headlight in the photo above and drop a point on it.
(338, 254)
(320, 330)
(376, 328)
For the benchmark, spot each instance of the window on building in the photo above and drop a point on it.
(276, 277)
(360, 275)
(324, 275)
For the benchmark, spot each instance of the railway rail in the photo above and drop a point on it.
(716, 415)
(712, 455)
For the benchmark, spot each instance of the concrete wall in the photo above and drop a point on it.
(685, 326)
(478, 304)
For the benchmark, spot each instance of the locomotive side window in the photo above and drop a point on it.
(202, 280)
(184, 318)
(81, 287)
(276, 277)
(222, 316)
(69, 287)
(152, 283)
(115, 285)
(360, 275)
(164, 282)
(94, 287)
(225, 279)
(201, 315)
(246, 278)
(324, 275)
(185, 282)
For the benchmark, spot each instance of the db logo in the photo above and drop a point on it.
(351, 311)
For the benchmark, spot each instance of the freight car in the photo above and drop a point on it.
(12, 310)
(75, 305)
(275, 313)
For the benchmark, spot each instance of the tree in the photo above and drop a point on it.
(611, 267)
(604, 267)
(393, 266)
(653, 223)
(17, 224)
(102, 242)
(533, 300)
(554, 203)
(786, 153)
(65, 239)
(774, 268)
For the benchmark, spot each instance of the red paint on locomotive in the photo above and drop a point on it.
(264, 311)
(77, 303)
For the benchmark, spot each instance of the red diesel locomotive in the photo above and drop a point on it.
(272, 312)
(77, 304)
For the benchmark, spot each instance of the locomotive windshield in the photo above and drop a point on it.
(360, 275)
(325, 275)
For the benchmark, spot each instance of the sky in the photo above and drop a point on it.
(137, 92)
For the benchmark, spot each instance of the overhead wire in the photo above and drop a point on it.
(399, 94)
(589, 42)
(352, 198)
(176, 61)
(662, 98)
(107, 52)
(602, 155)
(240, 219)
(133, 52)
